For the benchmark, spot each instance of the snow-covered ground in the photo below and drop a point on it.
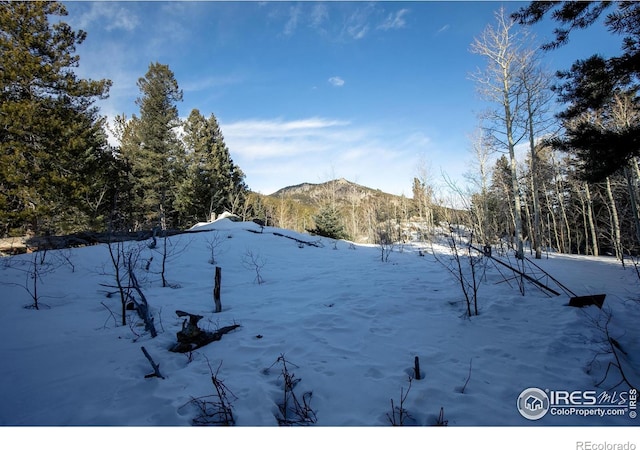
(344, 323)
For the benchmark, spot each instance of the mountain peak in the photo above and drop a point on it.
(339, 189)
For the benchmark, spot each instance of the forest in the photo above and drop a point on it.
(555, 154)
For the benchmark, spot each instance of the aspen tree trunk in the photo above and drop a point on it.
(536, 236)
(592, 227)
(583, 210)
(527, 212)
(535, 229)
(563, 211)
(553, 219)
(615, 223)
(515, 188)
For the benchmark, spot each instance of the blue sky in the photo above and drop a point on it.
(310, 91)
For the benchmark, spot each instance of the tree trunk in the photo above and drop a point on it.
(615, 223)
(527, 212)
(592, 227)
(585, 228)
(515, 189)
(583, 211)
(535, 232)
(563, 212)
(552, 215)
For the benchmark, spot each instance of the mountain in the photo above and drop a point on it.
(363, 210)
(360, 208)
(339, 190)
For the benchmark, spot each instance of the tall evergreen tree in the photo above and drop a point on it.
(53, 151)
(603, 141)
(153, 148)
(213, 183)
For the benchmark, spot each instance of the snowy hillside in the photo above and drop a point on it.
(330, 314)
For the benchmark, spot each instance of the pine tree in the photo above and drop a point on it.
(153, 149)
(329, 223)
(53, 151)
(213, 183)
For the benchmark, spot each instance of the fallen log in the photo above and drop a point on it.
(191, 337)
(299, 241)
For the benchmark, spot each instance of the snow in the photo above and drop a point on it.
(348, 325)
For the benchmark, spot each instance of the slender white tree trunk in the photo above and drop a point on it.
(615, 223)
(592, 227)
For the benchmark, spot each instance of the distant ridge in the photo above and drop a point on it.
(339, 190)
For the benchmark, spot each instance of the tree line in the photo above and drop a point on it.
(58, 172)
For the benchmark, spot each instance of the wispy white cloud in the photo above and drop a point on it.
(319, 15)
(394, 20)
(358, 31)
(357, 23)
(336, 81)
(348, 22)
(210, 82)
(112, 16)
(279, 130)
(443, 29)
(294, 17)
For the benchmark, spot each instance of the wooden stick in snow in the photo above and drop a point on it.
(216, 290)
(156, 367)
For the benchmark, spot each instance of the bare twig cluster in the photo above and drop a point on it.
(253, 261)
(399, 415)
(293, 411)
(384, 239)
(34, 270)
(610, 346)
(215, 409)
(464, 266)
(124, 261)
(64, 257)
(118, 260)
(168, 252)
(213, 244)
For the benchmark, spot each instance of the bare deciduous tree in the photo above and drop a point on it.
(537, 97)
(505, 49)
